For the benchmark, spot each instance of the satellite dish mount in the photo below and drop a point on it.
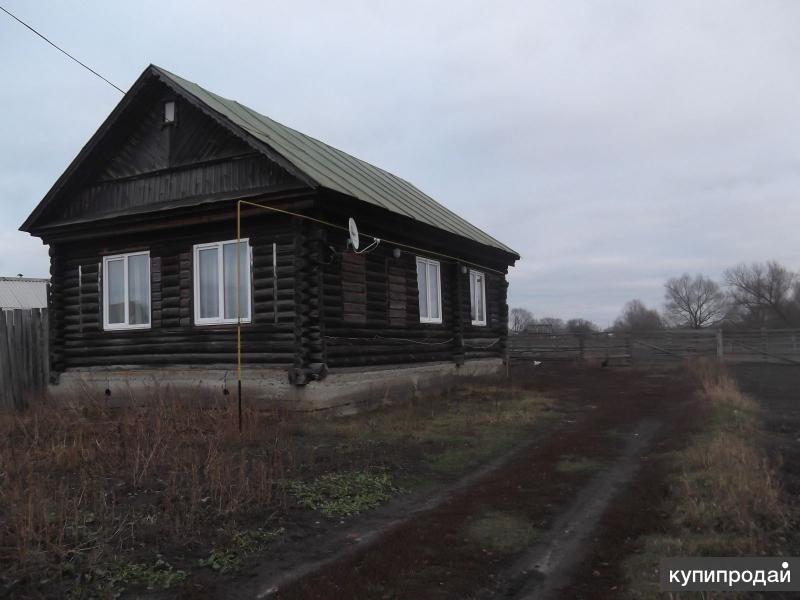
(355, 242)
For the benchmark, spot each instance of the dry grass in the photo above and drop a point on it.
(81, 483)
(140, 493)
(725, 495)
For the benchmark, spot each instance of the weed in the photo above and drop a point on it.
(343, 494)
(241, 544)
(159, 576)
(87, 487)
(76, 473)
(222, 560)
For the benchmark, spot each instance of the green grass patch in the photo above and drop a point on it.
(578, 464)
(229, 557)
(502, 532)
(113, 579)
(157, 576)
(344, 494)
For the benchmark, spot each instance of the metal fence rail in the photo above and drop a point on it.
(24, 356)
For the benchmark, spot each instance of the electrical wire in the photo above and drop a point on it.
(391, 242)
(389, 339)
(85, 66)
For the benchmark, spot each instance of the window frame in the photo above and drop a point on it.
(165, 121)
(126, 311)
(430, 262)
(220, 319)
(473, 275)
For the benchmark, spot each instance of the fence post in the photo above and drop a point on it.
(7, 395)
(720, 346)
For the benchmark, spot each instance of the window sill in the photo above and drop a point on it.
(430, 321)
(221, 322)
(479, 323)
(125, 327)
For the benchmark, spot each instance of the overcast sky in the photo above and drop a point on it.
(612, 144)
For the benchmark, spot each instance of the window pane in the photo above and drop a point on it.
(208, 274)
(433, 281)
(229, 267)
(422, 284)
(116, 290)
(139, 289)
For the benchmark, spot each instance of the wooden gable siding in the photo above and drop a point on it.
(151, 145)
(146, 163)
(243, 174)
(79, 339)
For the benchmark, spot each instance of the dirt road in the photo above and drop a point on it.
(524, 529)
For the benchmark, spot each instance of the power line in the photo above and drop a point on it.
(87, 67)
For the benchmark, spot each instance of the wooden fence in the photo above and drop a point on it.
(24, 356)
(766, 345)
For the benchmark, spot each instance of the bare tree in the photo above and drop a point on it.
(762, 292)
(637, 317)
(519, 318)
(694, 302)
(553, 322)
(581, 326)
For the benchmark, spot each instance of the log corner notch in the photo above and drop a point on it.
(311, 247)
(458, 313)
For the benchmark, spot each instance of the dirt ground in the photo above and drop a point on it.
(524, 528)
(635, 514)
(543, 490)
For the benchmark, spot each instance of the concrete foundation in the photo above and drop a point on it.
(342, 391)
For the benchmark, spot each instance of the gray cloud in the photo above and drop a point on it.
(612, 144)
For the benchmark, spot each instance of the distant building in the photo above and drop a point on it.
(23, 292)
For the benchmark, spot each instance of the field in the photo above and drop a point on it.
(563, 481)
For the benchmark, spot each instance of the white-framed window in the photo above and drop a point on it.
(477, 297)
(126, 291)
(215, 280)
(430, 290)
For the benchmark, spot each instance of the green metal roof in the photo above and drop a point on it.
(333, 169)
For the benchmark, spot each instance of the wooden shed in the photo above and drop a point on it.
(142, 229)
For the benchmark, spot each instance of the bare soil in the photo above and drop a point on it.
(638, 513)
(560, 484)
(552, 511)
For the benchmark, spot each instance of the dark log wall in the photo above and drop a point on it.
(326, 307)
(390, 331)
(173, 339)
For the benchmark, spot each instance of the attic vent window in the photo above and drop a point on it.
(169, 111)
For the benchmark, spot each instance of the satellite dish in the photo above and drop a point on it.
(351, 226)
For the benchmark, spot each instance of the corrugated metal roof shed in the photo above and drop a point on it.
(333, 169)
(23, 292)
